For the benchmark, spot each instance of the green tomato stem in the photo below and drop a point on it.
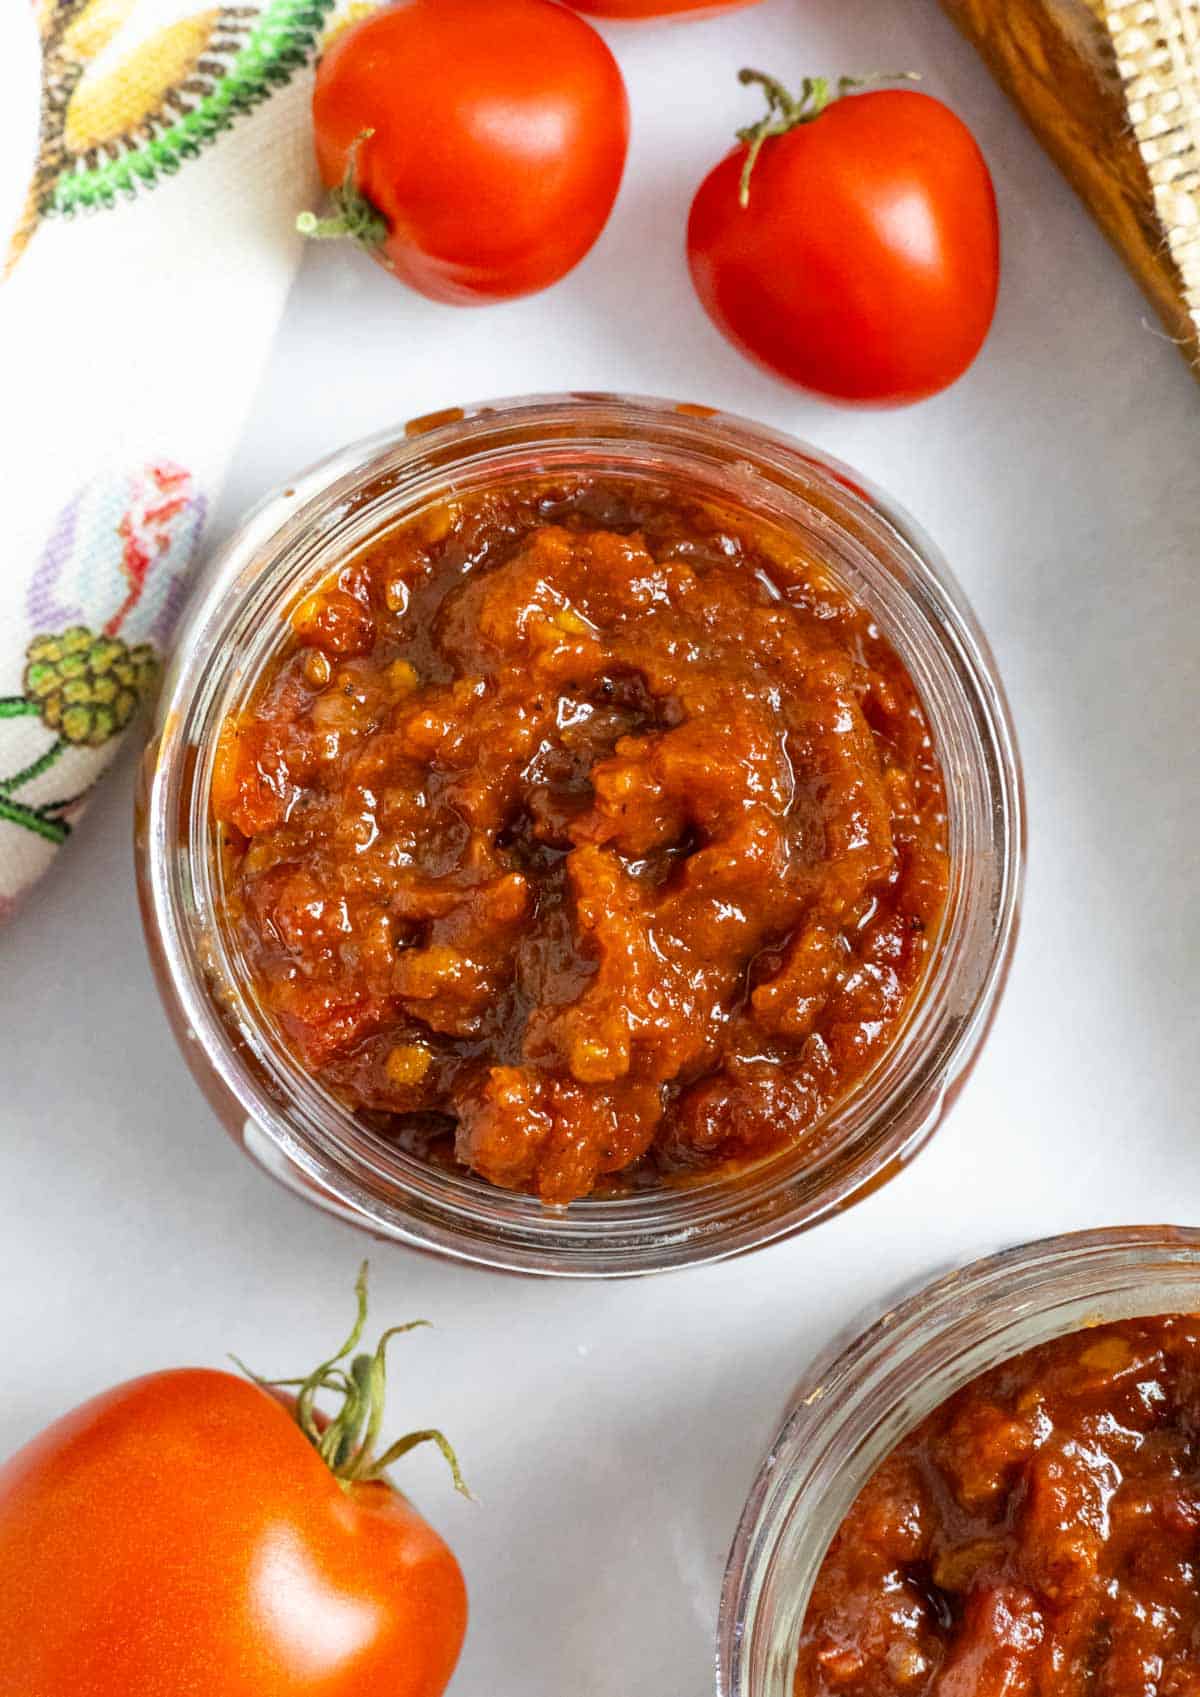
(347, 1441)
(786, 111)
(352, 214)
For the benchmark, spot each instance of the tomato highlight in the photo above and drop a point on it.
(473, 147)
(195, 1531)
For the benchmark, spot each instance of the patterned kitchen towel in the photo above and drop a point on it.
(146, 271)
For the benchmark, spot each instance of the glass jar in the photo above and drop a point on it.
(295, 1129)
(852, 1408)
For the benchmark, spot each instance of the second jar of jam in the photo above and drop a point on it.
(991, 1493)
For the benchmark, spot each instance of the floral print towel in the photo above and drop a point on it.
(143, 280)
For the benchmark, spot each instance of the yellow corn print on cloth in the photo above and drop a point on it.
(147, 252)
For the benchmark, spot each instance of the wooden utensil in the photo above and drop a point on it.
(1113, 93)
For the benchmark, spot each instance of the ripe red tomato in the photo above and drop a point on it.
(864, 263)
(180, 1533)
(475, 146)
(656, 8)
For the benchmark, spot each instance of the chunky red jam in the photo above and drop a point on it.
(1037, 1536)
(584, 834)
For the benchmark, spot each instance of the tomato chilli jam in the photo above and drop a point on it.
(584, 835)
(1037, 1536)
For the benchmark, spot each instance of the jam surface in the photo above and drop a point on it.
(584, 835)
(1037, 1536)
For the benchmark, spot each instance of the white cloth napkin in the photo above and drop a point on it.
(146, 273)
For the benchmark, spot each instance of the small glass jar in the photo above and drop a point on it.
(295, 1129)
(853, 1406)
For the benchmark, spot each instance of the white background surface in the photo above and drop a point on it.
(611, 1431)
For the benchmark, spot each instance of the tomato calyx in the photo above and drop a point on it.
(786, 111)
(352, 215)
(348, 1439)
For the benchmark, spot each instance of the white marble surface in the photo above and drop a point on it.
(611, 1431)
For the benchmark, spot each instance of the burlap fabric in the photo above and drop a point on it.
(1157, 46)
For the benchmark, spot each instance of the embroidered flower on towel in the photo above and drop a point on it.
(101, 604)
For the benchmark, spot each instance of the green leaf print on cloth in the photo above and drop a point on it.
(86, 689)
(122, 544)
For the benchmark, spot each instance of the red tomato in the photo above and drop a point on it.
(656, 8)
(865, 262)
(181, 1534)
(475, 146)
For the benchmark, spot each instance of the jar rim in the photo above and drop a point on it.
(858, 1399)
(292, 1126)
